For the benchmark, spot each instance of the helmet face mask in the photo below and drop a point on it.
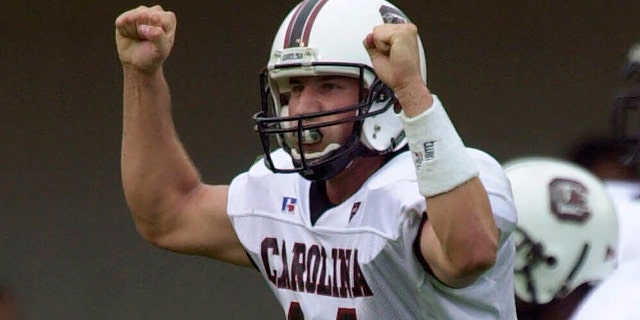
(535, 261)
(626, 108)
(626, 123)
(324, 38)
(567, 228)
(277, 128)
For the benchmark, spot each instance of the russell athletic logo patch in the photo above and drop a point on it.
(289, 204)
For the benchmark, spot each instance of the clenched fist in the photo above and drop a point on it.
(395, 54)
(144, 37)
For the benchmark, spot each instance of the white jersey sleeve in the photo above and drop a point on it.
(358, 259)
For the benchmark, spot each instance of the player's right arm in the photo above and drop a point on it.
(171, 207)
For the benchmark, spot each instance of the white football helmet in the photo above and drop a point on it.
(567, 228)
(325, 37)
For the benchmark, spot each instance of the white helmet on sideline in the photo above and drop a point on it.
(567, 229)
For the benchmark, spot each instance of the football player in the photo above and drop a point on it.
(566, 235)
(366, 204)
(616, 298)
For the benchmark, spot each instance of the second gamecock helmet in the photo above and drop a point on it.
(323, 38)
(567, 228)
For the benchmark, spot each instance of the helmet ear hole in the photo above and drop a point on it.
(551, 261)
(381, 97)
(397, 107)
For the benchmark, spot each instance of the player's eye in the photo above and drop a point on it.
(326, 86)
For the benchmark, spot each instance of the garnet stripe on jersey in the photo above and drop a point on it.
(300, 25)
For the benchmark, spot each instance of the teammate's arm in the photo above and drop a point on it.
(170, 205)
(460, 239)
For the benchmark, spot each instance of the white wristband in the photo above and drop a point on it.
(441, 159)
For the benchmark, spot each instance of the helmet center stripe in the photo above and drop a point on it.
(300, 26)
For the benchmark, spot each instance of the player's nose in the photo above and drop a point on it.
(307, 101)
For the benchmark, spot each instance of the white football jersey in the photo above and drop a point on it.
(358, 260)
(626, 200)
(616, 298)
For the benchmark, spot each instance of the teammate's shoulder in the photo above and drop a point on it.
(619, 289)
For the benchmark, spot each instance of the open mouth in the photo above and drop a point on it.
(310, 145)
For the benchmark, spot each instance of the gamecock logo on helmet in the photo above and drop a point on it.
(568, 200)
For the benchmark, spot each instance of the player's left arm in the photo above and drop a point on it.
(460, 238)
